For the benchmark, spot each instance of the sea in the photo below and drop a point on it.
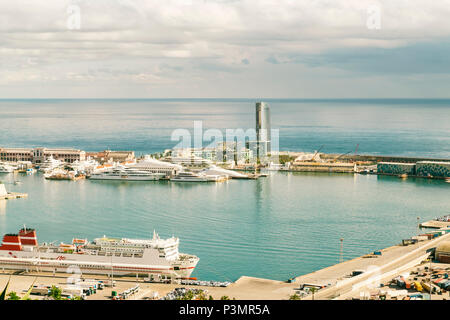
(277, 227)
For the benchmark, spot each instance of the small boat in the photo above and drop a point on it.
(447, 180)
(403, 176)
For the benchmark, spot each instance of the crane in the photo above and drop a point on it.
(336, 159)
(315, 154)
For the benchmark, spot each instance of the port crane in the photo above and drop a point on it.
(341, 155)
(315, 154)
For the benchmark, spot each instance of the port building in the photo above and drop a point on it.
(396, 168)
(157, 166)
(433, 169)
(39, 155)
(440, 169)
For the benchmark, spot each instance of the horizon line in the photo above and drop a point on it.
(255, 99)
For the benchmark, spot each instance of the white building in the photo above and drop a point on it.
(156, 166)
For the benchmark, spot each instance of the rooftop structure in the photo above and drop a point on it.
(157, 166)
(114, 156)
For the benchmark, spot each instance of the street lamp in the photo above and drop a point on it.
(341, 258)
(418, 225)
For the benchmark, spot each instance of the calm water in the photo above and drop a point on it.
(388, 127)
(276, 227)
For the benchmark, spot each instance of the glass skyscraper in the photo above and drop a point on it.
(262, 129)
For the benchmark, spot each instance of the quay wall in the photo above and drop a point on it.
(377, 158)
(311, 167)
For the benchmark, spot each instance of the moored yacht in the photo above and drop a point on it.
(126, 174)
(5, 168)
(188, 176)
(50, 164)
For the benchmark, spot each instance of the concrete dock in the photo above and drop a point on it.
(434, 224)
(4, 195)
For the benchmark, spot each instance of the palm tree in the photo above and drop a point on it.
(313, 290)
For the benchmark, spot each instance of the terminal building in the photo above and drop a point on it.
(439, 169)
(39, 155)
(157, 166)
(433, 169)
(396, 168)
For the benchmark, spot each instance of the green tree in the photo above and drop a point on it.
(294, 297)
(55, 293)
(189, 295)
(13, 296)
(211, 298)
(224, 298)
(202, 296)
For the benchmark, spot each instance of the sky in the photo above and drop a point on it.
(224, 49)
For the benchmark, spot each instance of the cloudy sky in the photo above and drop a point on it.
(224, 48)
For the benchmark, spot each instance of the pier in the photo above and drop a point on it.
(4, 195)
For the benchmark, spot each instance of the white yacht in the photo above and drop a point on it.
(88, 165)
(5, 168)
(188, 176)
(50, 164)
(126, 174)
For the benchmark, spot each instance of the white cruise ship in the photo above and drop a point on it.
(126, 174)
(116, 256)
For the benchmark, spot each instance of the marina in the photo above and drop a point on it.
(283, 203)
(314, 211)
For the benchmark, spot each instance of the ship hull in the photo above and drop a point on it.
(101, 265)
(125, 178)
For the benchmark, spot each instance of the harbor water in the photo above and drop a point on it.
(284, 225)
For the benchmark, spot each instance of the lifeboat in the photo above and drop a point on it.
(66, 247)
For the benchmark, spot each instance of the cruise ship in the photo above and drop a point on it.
(126, 174)
(154, 257)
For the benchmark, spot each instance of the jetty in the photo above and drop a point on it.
(4, 195)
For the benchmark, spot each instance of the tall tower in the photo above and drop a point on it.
(262, 129)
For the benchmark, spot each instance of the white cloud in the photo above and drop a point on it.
(203, 38)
